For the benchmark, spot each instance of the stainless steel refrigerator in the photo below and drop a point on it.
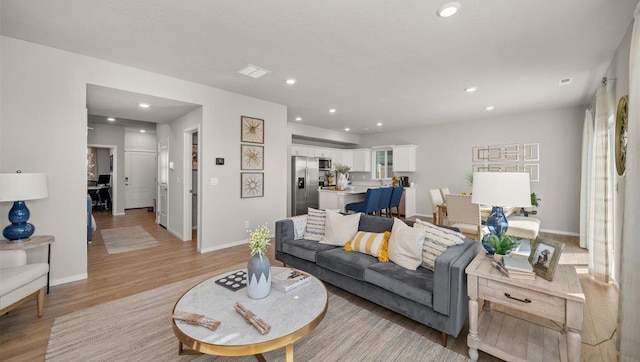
(304, 185)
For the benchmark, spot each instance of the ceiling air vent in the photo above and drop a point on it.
(565, 81)
(253, 71)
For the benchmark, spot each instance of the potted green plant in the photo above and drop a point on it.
(499, 245)
(259, 268)
(342, 176)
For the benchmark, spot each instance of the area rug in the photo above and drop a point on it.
(122, 240)
(138, 328)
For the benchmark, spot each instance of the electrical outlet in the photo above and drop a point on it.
(246, 224)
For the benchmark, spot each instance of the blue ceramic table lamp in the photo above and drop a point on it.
(500, 189)
(19, 187)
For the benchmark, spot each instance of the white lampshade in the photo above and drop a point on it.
(502, 189)
(23, 186)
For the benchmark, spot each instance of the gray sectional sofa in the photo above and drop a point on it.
(436, 298)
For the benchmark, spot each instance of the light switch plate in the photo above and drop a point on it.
(215, 181)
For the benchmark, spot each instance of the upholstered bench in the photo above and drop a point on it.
(20, 281)
(523, 227)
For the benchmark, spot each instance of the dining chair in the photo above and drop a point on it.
(436, 199)
(464, 215)
(368, 205)
(396, 197)
(385, 200)
(444, 192)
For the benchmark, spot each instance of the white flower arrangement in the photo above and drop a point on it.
(342, 168)
(259, 240)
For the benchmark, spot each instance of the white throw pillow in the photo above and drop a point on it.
(339, 229)
(405, 245)
(436, 241)
(314, 230)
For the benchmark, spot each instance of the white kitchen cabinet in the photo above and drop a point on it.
(322, 152)
(297, 150)
(362, 160)
(404, 158)
(336, 157)
(347, 158)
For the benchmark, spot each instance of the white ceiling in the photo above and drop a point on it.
(394, 62)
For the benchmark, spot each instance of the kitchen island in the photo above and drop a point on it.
(332, 199)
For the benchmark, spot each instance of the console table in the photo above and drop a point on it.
(33, 242)
(515, 339)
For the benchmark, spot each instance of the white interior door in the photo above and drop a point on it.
(140, 176)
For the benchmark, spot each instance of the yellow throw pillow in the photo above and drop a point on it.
(405, 245)
(374, 244)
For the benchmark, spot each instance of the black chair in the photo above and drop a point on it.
(369, 205)
(94, 194)
(385, 199)
(105, 198)
(396, 197)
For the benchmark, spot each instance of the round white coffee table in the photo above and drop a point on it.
(292, 315)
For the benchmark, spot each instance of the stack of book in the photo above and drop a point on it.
(515, 267)
(289, 279)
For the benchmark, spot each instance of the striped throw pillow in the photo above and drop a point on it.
(374, 244)
(314, 229)
(436, 241)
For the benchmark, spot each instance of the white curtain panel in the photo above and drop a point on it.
(600, 229)
(587, 156)
(630, 278)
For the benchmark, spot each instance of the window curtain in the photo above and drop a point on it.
(587, 156)
(629, 317)
(600, 203)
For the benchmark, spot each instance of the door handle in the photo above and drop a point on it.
(525, 300)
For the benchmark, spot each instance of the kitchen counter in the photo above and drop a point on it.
(330, 198)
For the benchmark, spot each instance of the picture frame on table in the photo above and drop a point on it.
(544, 257)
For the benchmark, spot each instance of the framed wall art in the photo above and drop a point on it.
(251, 184)
(544, 257)
(252, 157)
(252, 130)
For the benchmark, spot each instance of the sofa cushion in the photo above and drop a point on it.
(299, 226)
(374, 244)
(436, 241)
(15, 277)
(314, 229)
(344, 262)
(375, 224)
(339, 229)
(415, 285)
(305, 249)
(405, 245)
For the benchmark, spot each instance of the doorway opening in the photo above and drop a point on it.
(191, 186)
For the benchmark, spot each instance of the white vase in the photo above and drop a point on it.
(342, 183)
(258, 277)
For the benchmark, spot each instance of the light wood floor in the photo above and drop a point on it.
(24, 336)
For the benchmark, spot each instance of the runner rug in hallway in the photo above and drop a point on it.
(138, 328)
(121, 240)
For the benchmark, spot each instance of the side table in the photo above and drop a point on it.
(33, 242)
(510, 338)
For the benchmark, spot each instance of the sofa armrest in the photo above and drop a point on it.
(284, 232)
(448, 272)
(12, 258)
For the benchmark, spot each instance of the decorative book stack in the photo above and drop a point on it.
(518, 267)
(289, 279)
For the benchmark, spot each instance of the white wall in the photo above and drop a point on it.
(444, 158)
(44, 97)
(138, 141)
(102, 161)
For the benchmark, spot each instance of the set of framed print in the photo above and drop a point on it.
(252, 157)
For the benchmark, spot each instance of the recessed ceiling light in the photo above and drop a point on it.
(143, 131)
(111, 119)
(253, 71)
(347, 129)
(143, 105)
(489, 108)
(379, 124)
(471, 89)
(298, 119)
(332, 110)
(448, 9)
(291, 81)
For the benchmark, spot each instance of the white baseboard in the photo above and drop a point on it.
(224, 246)
(559, 232)
(74, 278)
